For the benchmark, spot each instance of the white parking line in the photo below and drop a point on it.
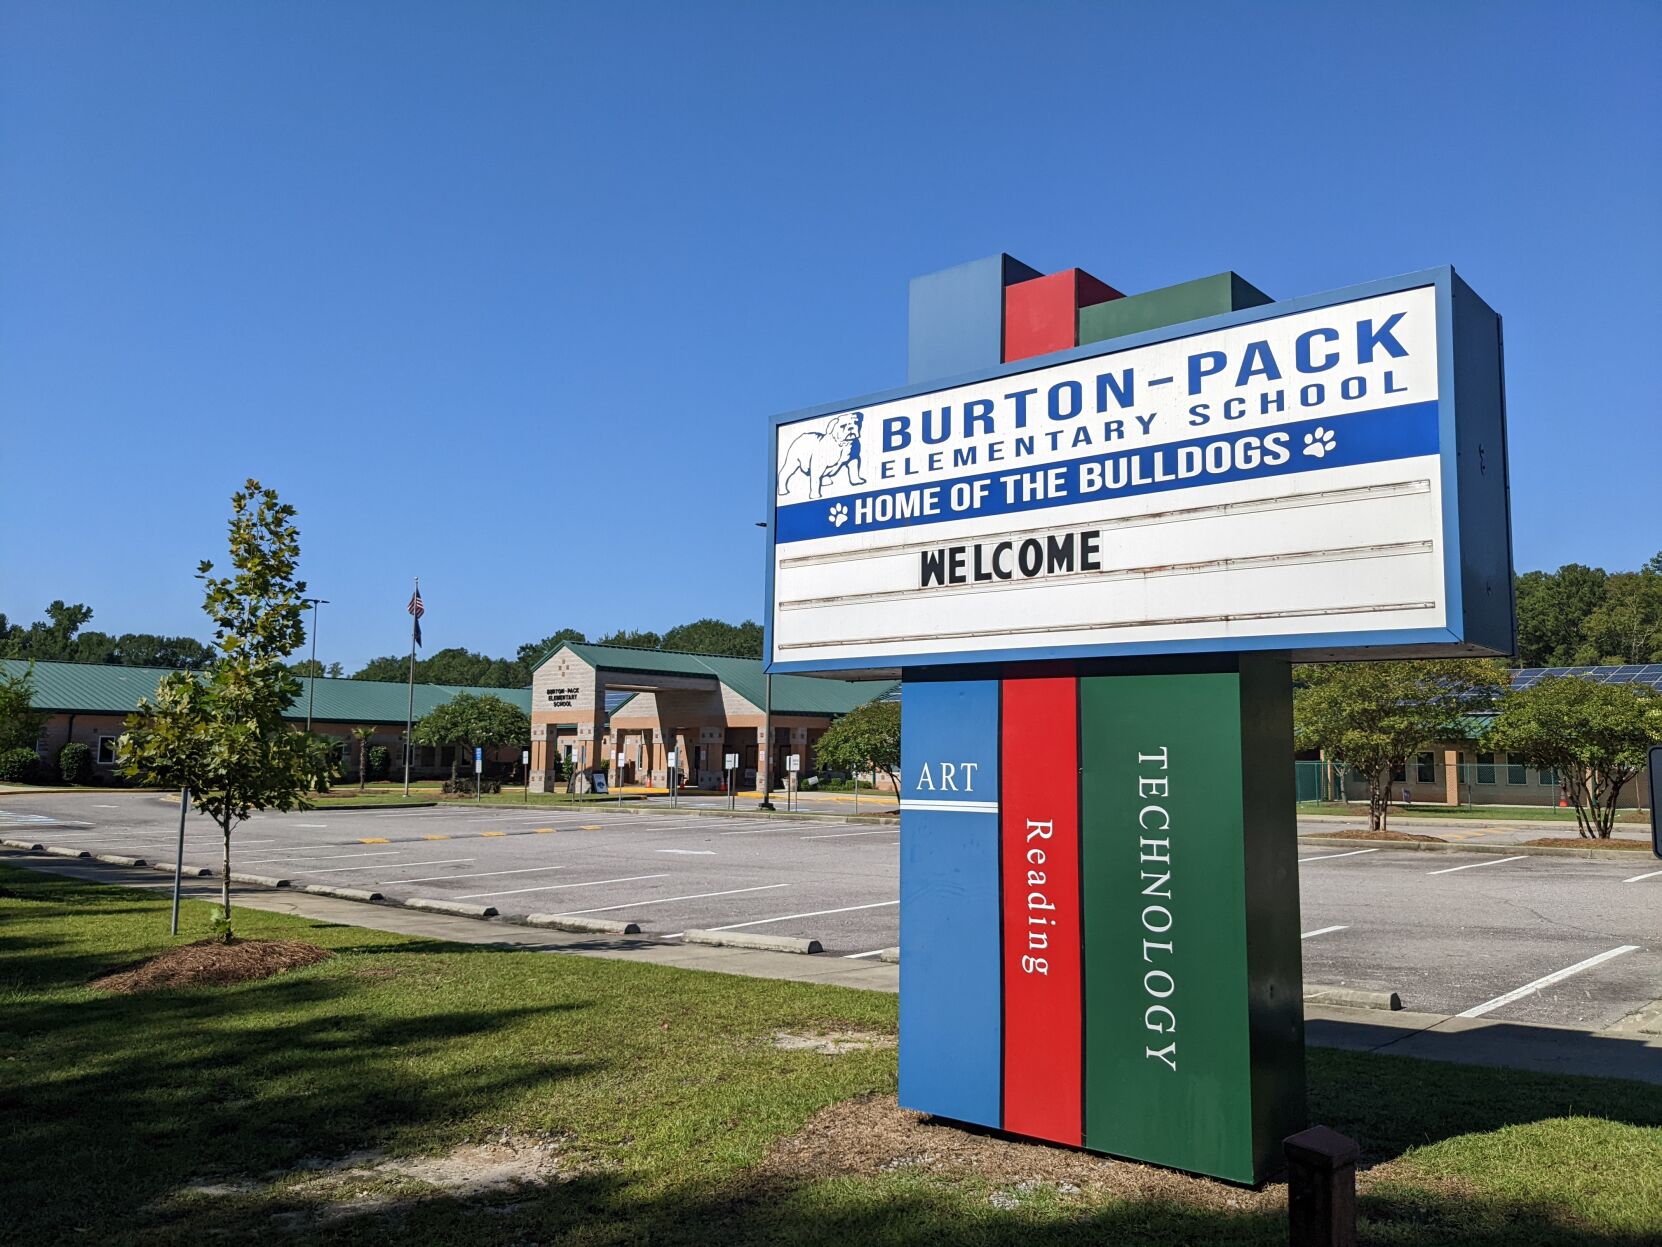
(762, 922)
(556, 887)
(689, 852)
(341, 870)
(312, 825)
(477, 874)
(1557, 976)
(1636, 878)
(300, 858)
(663, 900)
(840, 835)
(1474, 865)
(1321, 931)
(748, 831)
(1328, 857)
(856, 956)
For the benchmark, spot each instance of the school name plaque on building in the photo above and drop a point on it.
(1326, 474)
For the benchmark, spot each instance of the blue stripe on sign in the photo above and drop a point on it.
(951, 999)
(1362, 437)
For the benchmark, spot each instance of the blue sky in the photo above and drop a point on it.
(503, 294)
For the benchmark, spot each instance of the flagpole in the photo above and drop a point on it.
(409, 716)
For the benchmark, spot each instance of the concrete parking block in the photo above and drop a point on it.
(891, 955)
(345, 894)
(263, 881)
(585, 926)
(764, 943)
(28, 846)
(115, 859)
(56, 851)
(191, 872)
(450, 907)
(1351, 997)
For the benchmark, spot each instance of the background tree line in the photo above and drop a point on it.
(1581, 616)
(59, 638)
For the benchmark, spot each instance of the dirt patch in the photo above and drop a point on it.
(210, 963)
(831, 1043)
(873, 1135)
(1373, 835)
(1578, 842)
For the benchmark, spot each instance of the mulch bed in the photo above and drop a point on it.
(210, 963)
(1373, 835)
(1578, 842)
(872, 1135)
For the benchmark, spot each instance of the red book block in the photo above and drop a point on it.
(1039, 862)
(1041, 314)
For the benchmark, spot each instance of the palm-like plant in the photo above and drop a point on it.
(362, 735)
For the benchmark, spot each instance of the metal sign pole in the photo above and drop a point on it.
(179, 856)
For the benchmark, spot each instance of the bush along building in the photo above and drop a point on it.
(88, 703)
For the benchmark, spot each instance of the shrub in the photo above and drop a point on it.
(462, 786)
(380, 761)
(19, 765)
(75, 763)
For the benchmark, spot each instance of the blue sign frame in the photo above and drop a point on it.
(1477, 529)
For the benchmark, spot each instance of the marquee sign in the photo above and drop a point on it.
(1321, 475)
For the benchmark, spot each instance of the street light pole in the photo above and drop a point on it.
(311, 683)
(766, 802)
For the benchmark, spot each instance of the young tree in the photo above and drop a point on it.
(1595, 737)
(20, 723)
(1373, 715)
(467, 721)
(867, 738)
(222, 734)
(362, 735)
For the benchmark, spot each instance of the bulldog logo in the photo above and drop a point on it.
(821, 456)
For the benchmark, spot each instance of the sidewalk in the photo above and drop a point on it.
(1631, 1049)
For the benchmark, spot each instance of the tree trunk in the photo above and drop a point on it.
(363, 761)
(1379, 800)
(225, 881)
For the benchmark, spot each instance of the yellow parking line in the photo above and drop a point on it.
(493, 833)
(542, 831)
(375, 840)
(592, 827)
(435, 837)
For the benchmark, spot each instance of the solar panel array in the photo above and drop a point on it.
(1642, 673)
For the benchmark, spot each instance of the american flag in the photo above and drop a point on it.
(417, 610)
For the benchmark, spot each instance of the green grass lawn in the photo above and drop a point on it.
(215, 1112)
(1493, 813)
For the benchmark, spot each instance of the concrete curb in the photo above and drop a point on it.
(263, 881)
(344, 894)
(449, 907)
(760, 943)
(890, 955)
(115, 859)
(1505, 850)
(1351, 997)
(58, 851)
(191, 872)
(28, 846)
(1647, 1021)
(583, 926)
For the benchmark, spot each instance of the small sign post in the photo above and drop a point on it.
(793, 777)
(730, 764)
(478, 770)
(525, 772)
(1655, 791)
(672, 784)
(619, 760)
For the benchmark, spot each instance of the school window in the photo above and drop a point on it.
(1547, 777)
(106, 750)
(1485, 768)
(1516, 773)
(1425, 769)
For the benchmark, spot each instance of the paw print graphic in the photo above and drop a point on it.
(839, 515)
(1319, 442)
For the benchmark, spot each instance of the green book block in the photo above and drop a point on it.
(1170, 305)
(1194, 1021)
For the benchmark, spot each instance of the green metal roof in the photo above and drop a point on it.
(792, 694)
(100, 688)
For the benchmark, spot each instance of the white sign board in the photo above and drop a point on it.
(672, 758)
(794, 762)
(525, 757)
(478, 760)
(620, 762)
(730, 762)
(1288, 481)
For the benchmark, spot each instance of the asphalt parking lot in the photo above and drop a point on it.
(1560, 940)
